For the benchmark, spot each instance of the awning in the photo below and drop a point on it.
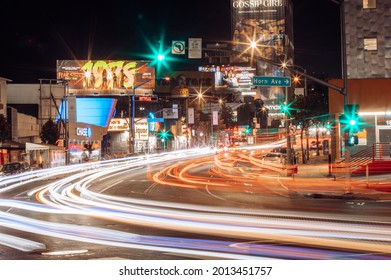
(8, 144)
(36, 147)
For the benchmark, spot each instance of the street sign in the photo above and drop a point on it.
(267, 81)
(195, 48)
(146, 98)
(178, 47)
(155, 119)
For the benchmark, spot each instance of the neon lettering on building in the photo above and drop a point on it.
(256, 3)
(83, 131)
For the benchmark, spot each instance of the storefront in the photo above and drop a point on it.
(145, 140)
(11, 151)
(44, 155)
(85, 142)
(373, 98)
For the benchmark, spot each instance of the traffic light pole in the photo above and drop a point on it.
(289, 168)
(348, 188)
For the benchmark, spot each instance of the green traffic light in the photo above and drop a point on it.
(286, 108)
(160, 57)
(351, 119)
(164, 135)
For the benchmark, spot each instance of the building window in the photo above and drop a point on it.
(370, 44)
(369, 4)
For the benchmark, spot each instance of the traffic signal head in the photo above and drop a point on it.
(248, 130)
(351, 119)
(352, 140)
(286, 108)
(160, 57)
(164, 135)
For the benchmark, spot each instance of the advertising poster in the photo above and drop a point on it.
(110, 77)
(182, 84)
(231, 77)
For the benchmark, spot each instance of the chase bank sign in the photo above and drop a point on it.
(83, 131)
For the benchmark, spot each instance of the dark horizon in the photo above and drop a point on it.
(35, 37)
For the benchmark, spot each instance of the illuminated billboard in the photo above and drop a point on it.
(91, 110)
(184, 83)
(260, 21)
(230, 77)
(108, 77)
(269, 23)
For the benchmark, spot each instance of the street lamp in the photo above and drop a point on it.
(201, 98)
(291, 68)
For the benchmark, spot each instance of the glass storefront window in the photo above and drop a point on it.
(370, 44)
(369, 4)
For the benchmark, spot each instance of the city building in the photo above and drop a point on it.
(368, 57)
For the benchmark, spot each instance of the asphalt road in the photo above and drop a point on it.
(189, 205)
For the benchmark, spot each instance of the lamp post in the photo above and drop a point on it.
(201, 98)
(304, 74)
(131, 110)
(288, 136)
(298, 78)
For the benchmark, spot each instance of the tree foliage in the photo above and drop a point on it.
(227, 117)
(50, 133)
(4, 128)
(309, 109)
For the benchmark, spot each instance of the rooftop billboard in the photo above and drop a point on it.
(230, 77)
(108, 77)
(182, 84)
(260, 21)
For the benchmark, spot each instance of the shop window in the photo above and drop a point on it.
(369, 4)
(370, 44)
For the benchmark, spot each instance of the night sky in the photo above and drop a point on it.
(34, 34)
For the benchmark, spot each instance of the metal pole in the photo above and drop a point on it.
(131, 121)
(345, 90)
(66, 125)
(211, 123)
(133, 115)
(288, 137)
(305, 83)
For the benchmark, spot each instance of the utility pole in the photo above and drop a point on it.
(131, 110)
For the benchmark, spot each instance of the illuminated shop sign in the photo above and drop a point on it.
(122, 124)
(83, 131)
(106, 76)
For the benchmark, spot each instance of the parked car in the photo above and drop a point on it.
(273, 158)
(282, 150)
(313, 145)
(14, 168)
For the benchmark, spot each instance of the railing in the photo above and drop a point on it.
(377, 152)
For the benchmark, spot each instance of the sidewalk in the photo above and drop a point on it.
(316, 167)
(315, 179)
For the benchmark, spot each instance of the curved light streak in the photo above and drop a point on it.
(74, 194)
